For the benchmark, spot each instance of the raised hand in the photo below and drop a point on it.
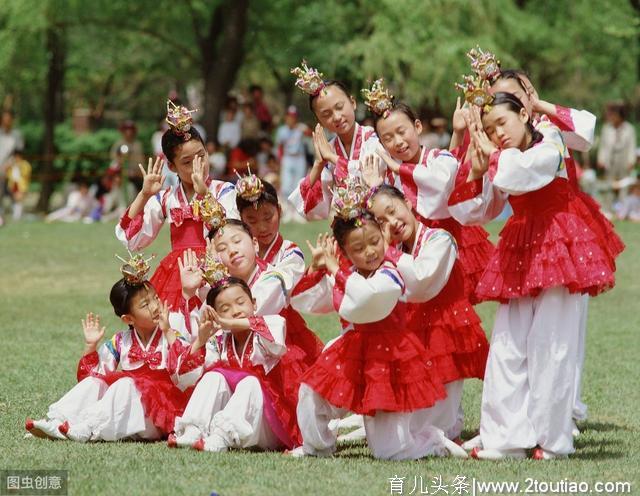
(460, 117)
(152, 178)
(371, 170)
(479, 161)
(324, 148)
(190, 273)
(207, 327)
(317, 252)
(478, 134)
(93, 333)
(331, 250)
(199, 174)
(391, 164)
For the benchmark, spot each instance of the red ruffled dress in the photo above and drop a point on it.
(375, 366)
(161, 399)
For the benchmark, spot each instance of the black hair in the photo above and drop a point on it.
(331, 82)
(268, 195)
(231, 222)
(396, 107)
(515, 105)
(343, 227)
(232, 281)
(122, 293)
(255, 87)
(512, 74)
(388, 190)
(171, 140)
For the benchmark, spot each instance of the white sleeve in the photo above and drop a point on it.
(521, 172)
(138, 233)
(370, 299)
(269, 333)
(476, 202)
(270, 292)
(291, 265)
(426, 275)
(317, 295)
(314, 202)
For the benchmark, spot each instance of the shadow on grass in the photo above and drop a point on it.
(600, 426)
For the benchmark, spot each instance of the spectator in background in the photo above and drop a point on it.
(250, 124)
(434, 134)
(293, 161)
(241, 159)
(260, 109)
(229, 131)
(80, 204)
(265, 150)
(10, 141)
(629, 207)
(617, 150)
(217, 160)
(18, 180)
(133, 154)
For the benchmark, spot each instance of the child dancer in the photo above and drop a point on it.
(426, 177)
(189, 206)
(334, 108)
(377, 367)
(445, 321)
(139, 401)
(240, 399)
(258, 205)
(547, 257)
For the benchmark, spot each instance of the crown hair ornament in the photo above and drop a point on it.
(309, 79)
(476, 92)
(378, 98)
(209, 210)
(134, 271)
(484, 64)
(214, 271)
(249, 187)
(179, 119)
(349, 200)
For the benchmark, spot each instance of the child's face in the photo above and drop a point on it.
(144, 310)
(510, 85)
(397, 214)
(506, 128)
(237, 251)
(400, 136)
(234, 303)
(183, 161)
(365, 248)
(264, 222)
(335, 110)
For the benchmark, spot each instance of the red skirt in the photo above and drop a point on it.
(161, 399)
(368, 370)
(166, 278)
(451, 332)
(551, 240)
(474, 250)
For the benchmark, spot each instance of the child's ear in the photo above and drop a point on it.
(408, 204)
(256, 245)
(524, 117)
(127, 319)
(418, 125)
(353, 102)
(173, 168)
(255, 306)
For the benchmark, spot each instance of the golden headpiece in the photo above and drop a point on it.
(309, 79)
(135, 269)
(476, 92)
(349, 199)
(484, 64)
(214, 271)
(249, 187)
(209, 210)
(378, 98)
(179, 119)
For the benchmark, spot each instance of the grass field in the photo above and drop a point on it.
(51, 275)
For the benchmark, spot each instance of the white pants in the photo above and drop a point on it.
(529, 384)
(390, 435)
(237, 416)
(579, 408)
(111, 412)
(447, 414)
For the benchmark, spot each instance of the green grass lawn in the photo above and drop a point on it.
(51, 275)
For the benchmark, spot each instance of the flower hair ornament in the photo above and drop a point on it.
(214, 271)
(349, 200)
(209, 210)
(249, 188)
(378, 98)
(476, 92)
(135, 270)
(309, 79)
(179, 119)
(484, 64)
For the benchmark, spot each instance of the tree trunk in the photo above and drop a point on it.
(52, 109)
(222, 56)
